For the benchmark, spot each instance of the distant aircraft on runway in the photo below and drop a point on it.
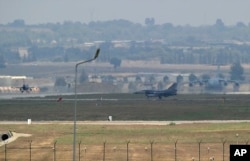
(216, 83)
(25, 88)
(171, 91)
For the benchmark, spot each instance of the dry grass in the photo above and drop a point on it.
(93, 137)
(129, 107)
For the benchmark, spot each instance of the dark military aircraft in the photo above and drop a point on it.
(25, 88)
(171, 91)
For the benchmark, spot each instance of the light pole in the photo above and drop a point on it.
(74, 139)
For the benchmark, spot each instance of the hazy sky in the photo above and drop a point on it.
(178, 12)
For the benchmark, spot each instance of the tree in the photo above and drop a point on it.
(125, 79)
(205, 77)
(192, 78)
(60, 81)
(149, 21)
(237, 72)
(220, 75)
(165, 79)
(18, 23)
(240, 25)
(219, 24)
(115, 62)
(151, 79)
(179, 79)
(138, 79)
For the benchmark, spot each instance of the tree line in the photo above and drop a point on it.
(210, 44)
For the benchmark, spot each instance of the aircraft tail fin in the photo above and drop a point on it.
(173, 87)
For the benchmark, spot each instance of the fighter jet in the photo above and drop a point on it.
(25, 88)
(171, 91)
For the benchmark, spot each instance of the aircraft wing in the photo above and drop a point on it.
(143, 91)
(23, 87)
(16, 87)
(237, 83)
(197, 82)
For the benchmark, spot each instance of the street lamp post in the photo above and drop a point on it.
(74, 139)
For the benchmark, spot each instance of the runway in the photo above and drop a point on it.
(122, 122)
(129, 107)
(44, 96)
(65, 97)
(30, 95)
(132, 97)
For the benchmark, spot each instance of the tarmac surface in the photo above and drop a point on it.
(121, 122)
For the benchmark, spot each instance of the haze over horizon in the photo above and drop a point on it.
(191, 12)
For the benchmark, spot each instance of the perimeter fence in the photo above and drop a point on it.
(128, 151)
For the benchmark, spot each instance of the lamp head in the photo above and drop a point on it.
(97, 53)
